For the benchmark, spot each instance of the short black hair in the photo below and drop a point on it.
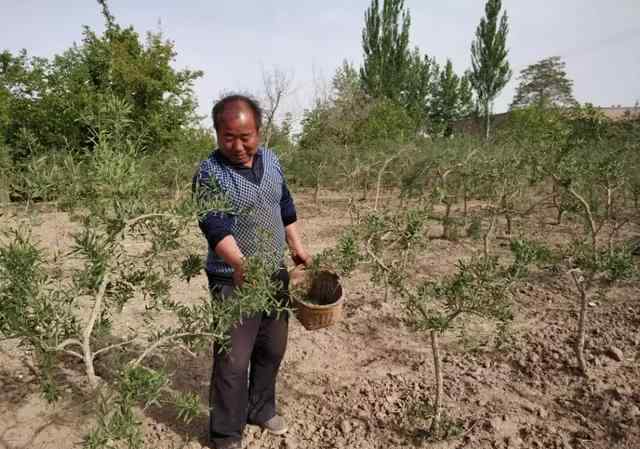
(218, 108)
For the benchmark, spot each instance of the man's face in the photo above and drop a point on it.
(238, 135)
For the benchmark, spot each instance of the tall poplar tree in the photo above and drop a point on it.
(385, 42)
(544, 83)
(452, 99)
(420, 82)
(490, 68)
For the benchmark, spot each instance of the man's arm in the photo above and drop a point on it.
(299, 254)
(289, 218)
(216, 227)
(228, 249)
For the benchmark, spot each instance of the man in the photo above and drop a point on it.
(252, 179)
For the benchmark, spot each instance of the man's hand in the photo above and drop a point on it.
(238, 275)
(301, 257)
(228, 249)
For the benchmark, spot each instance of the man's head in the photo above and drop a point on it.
(237, 120)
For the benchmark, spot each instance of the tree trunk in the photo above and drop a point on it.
(88, 367)
(504, 203)
(554, 199)
(487, 121)
(4, 193)
(465, 201)
(316, 193)
(446, 222)
(559, 216)
(582, 328)
(87, 352)
(365, 187)
(379, 186)
(437, 406)
(487, 236)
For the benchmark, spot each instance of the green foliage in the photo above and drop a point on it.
(386, 123)
(385, 43)
(525, 253)
(28, 300)
(348, 253)
(45, 104)
(479, 287)
(344, 138)
(7, 173)
(535, 127)
(141, 384)
(421, 80)
(187, 406)
(544, 84)
(615, 263)
(452, 99)
(474, 229)
(117, 424)
(191, 267)
(342, 259)
(619, 264)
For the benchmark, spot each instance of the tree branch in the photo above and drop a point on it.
(88, 330)
(68, 342)
(113, 346)
(159, 342)
(138, 219)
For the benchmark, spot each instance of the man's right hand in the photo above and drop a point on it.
(227, 248)
(238, 275)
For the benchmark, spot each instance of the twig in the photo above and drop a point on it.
(68, 342)
(140, 218)
(159, 342)
(113, 346)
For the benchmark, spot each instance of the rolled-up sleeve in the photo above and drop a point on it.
(287, 207)
(214, 225)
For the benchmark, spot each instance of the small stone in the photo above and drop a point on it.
(633, 411)
(345, 426)
(582, 435)
(289, 443)
(543, 413)
(593, 304)
(514, 442)
(615, 353)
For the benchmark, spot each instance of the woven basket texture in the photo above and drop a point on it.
(317, 298)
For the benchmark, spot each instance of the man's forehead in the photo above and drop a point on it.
(237, 111)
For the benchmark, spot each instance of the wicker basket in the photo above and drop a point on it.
(327, 294)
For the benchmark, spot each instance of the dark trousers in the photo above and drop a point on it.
(243, 380)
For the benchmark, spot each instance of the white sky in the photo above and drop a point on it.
(233, 41)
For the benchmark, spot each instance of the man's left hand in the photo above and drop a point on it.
(301, 257)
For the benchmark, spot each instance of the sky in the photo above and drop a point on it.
(234, 42)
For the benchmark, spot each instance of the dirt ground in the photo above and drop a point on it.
(367, 381)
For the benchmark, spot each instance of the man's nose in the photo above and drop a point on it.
(237, 145)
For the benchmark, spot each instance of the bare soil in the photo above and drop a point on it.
(367, 382)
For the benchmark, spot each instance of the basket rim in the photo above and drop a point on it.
(318, 306)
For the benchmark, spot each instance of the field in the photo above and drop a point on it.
(368, 382)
